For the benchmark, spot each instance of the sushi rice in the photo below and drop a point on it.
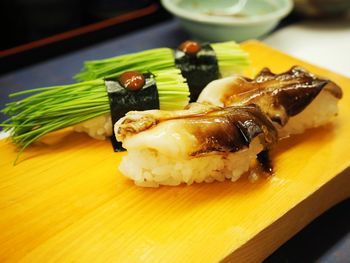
(150, 168)
(98, 128)
(320, 112)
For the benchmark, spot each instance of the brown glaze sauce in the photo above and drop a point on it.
(190, 47)
(280, 96)
(132, 80)
(231, 129)
(265, 162)
(215, 129)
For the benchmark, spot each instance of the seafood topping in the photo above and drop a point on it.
(206, 128)
(190, 47)
(231, 129)
(132, 80)
(280, 96)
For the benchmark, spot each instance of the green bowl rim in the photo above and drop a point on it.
(226, 20)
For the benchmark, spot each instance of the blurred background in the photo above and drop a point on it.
(34, 30)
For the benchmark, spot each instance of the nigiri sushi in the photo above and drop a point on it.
(199, 144)
(294, 100)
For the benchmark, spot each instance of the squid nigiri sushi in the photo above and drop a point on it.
(199, 144)
(294, 100)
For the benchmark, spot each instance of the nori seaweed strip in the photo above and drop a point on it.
(199, 69)
(122, 100)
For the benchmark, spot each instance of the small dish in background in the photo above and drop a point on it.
(322, 8)
(207, 20)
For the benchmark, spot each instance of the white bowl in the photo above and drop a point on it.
(257, 18)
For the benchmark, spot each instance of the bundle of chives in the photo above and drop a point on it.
(172, 89)
(231, 59)
(53, 108)
(152, 60)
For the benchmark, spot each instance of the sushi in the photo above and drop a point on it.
(228, 55)
(199, 63)
(86, 106)
(202, 143)
(232, 127)
(294, 100)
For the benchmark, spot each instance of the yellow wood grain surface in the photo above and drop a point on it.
(67, 202)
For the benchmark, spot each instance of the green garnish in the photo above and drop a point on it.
(52, 108)
(231, 58)
(152, 60)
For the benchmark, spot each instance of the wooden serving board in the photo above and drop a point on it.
(67, 202)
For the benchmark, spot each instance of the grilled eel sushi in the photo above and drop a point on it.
(294, 100)
(202, 143)
(236, 121)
